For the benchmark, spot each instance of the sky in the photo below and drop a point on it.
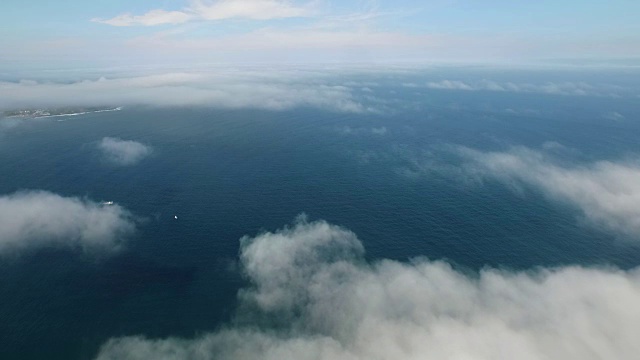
(73, 33)
(311, 278)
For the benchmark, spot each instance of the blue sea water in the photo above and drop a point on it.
(229, 173)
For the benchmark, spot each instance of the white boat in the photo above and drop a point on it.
(107, 203)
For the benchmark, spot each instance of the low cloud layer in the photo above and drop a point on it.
(123, 152)
(551, 88)
(38, 219)
(608, 193)
(313, 296)
(269, 89)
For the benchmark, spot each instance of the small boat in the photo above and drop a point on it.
(107, 203)
(175, 217)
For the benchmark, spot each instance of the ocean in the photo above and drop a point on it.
(392, 176)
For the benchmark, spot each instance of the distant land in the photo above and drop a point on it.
(64, 111)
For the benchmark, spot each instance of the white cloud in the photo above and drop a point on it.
(313, 296)
(614, 115)
(38, 218)
(212, 10)
(608, 193)
(249, 9)
(563, 88)
(379, 131)
(348, 130)
(449, 85)
(269, 89)
(123, 152)
(152, 18)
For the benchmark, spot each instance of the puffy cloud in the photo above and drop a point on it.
(273, 90)
(123, 152)
(212, 10)
(39, 218)
(313, 296)
(608, 193)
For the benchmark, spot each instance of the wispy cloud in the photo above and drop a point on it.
(33, 219)
(249, 9)
(123, 152)
(313, 296)
(607, 193)
(152, 18)
(614, 115)
(212, 10)
(446, 85)
(348, 130)
(563, 88)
